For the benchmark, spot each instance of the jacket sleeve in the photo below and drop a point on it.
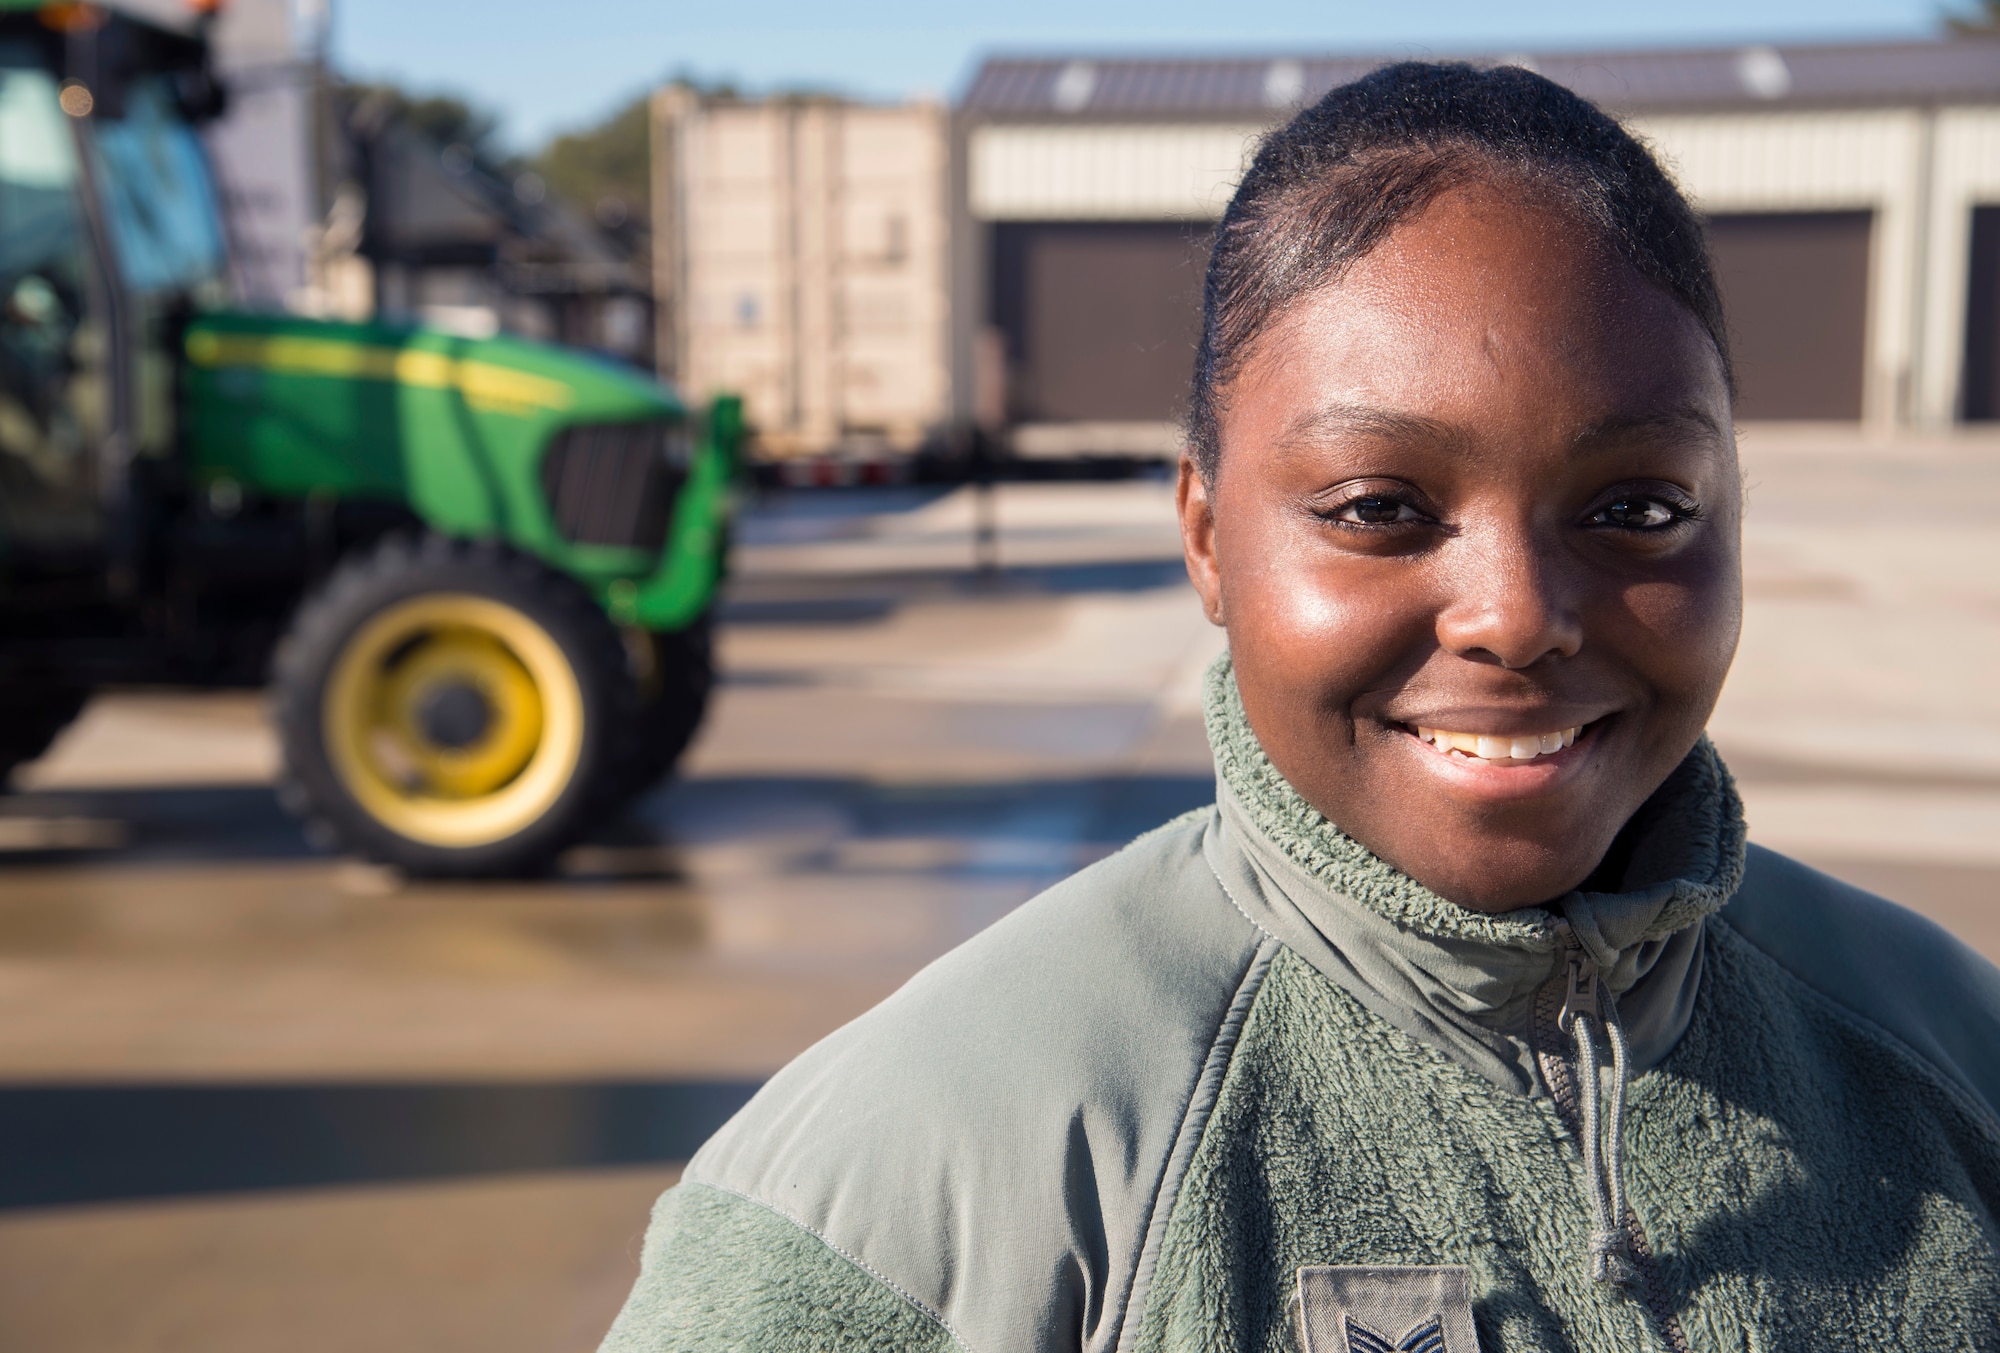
(1889, 965)
(720, 1272)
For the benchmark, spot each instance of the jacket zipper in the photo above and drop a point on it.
(1577, 989)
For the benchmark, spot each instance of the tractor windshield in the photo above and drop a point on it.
(37, 171)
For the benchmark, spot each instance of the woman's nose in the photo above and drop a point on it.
(1510, 603)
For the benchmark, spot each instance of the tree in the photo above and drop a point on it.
(442, 119)
(606, 169)
(1981, 20)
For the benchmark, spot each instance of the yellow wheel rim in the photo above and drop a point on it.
(453, 720)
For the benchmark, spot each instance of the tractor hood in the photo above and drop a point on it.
(503, 375)
(454, 428)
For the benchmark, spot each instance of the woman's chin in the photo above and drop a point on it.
(1502, 875)
(1495, 837)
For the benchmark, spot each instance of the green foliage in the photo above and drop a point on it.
(606, 169)
(443, 119)
(1981, 19)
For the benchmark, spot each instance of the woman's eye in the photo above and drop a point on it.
(1638, 514)
(1376, 510)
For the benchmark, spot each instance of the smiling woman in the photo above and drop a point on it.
(1465, 1019)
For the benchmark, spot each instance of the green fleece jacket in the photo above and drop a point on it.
(1243, 1086)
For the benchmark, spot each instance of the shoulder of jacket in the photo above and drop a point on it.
(1899, 971)
(992, 1136)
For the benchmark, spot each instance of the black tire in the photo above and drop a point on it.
(331, 635)
(676, 679)
(36, 710)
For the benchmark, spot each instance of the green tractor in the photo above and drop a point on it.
(477, 573)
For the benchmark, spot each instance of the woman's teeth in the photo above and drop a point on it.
(1487, 748)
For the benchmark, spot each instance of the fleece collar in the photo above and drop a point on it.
(1462, 979)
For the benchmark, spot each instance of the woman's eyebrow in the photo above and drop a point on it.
(1680, 422)
(1317, 425)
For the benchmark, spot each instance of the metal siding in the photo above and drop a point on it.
(733, 251)
(892, 283)
(1842, 73)
(815, 259)
(1728, 163)
(1903, 130)
(1105, 173)
(1966, 176)
(1785, 161)
(1822, 162)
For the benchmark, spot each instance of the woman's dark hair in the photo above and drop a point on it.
(1329, 186)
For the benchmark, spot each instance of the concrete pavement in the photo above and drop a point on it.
(903, 749)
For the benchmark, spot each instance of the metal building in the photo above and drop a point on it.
(800, 260)
(1852, 195)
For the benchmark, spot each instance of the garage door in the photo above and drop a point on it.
(1982, 318)
(1100, 319)
(1795, 287)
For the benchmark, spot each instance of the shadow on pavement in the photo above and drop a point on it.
(62, 1145)
(168, 823)
(196, 824)
(1103, 810)
(781, 516)
(867, 598)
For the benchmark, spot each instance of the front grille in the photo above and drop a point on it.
(615, 483)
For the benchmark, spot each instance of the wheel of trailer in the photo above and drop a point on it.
(676, 670)
(453, 708)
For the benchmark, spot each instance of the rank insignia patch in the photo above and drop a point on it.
(1379, 1308)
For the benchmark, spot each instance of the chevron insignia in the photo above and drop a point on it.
(1427, 1337)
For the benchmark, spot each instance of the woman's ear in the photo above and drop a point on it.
(1191, 499)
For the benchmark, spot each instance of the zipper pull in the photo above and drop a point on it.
(1581, 996)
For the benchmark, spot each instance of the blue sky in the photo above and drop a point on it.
(546, 67)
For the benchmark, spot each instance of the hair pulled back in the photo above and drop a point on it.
(1327, 187)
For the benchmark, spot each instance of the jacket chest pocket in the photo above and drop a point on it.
(1376, 1308)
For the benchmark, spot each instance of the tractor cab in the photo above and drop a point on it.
(109, 237)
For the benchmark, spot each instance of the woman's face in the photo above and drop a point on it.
(1474, 535)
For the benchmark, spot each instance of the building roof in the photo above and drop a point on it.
(1961, 71)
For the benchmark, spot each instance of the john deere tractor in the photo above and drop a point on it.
(477, 573)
